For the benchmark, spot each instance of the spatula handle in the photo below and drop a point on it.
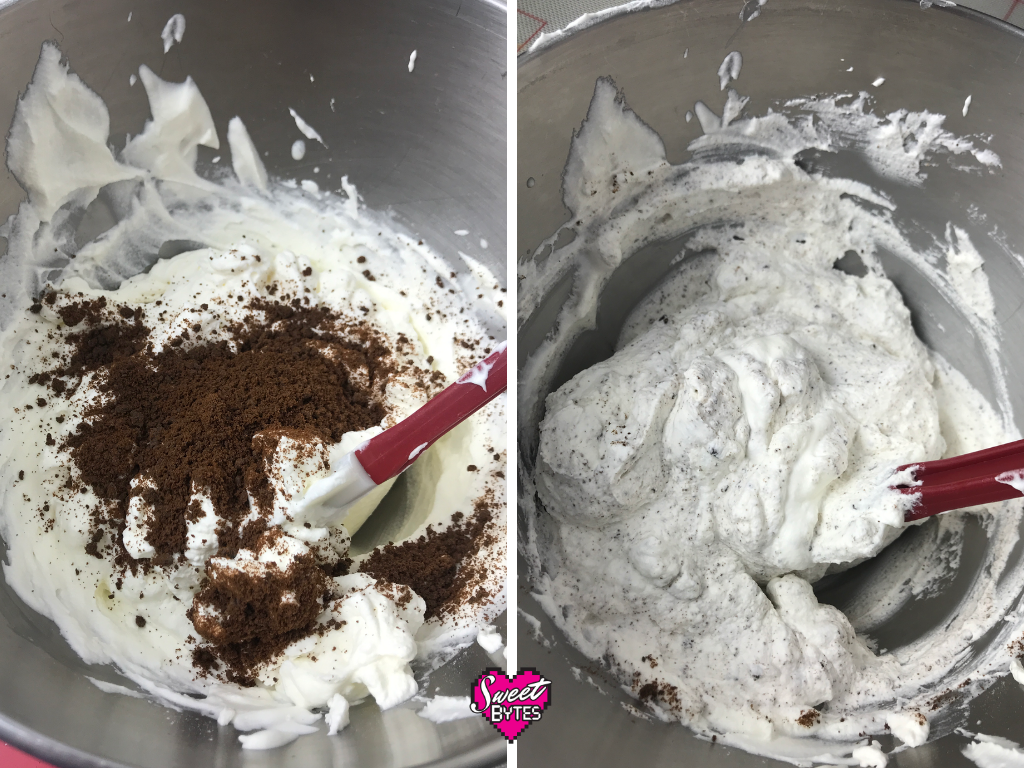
(392, 451)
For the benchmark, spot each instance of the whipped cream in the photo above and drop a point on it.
(173, 31)
(444, 709)
(739, 443)
(242, 239)
(994, 752)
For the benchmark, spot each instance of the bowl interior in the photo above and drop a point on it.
(427, 146)
(666, 59)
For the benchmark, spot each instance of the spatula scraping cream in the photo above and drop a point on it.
(739, 444)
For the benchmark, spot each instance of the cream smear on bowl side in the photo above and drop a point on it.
(748, 11)
(97, 338)
(681, 497)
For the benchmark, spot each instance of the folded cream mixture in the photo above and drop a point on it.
(683, 495)
(161, 416)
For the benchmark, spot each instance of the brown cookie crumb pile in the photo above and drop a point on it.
(206, 415)
(250, 614)
(656, 692)
(809, 718)
(185, 418)
(434, 564)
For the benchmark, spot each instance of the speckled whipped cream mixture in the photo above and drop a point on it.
(683, 496)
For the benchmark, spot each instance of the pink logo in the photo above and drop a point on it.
(510, 704)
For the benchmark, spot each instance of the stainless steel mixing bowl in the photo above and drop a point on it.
(428, 145)
(931, 59)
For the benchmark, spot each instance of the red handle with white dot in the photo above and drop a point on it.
(394, 450)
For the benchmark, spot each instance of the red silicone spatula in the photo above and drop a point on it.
(394, 450)
(993, 474)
